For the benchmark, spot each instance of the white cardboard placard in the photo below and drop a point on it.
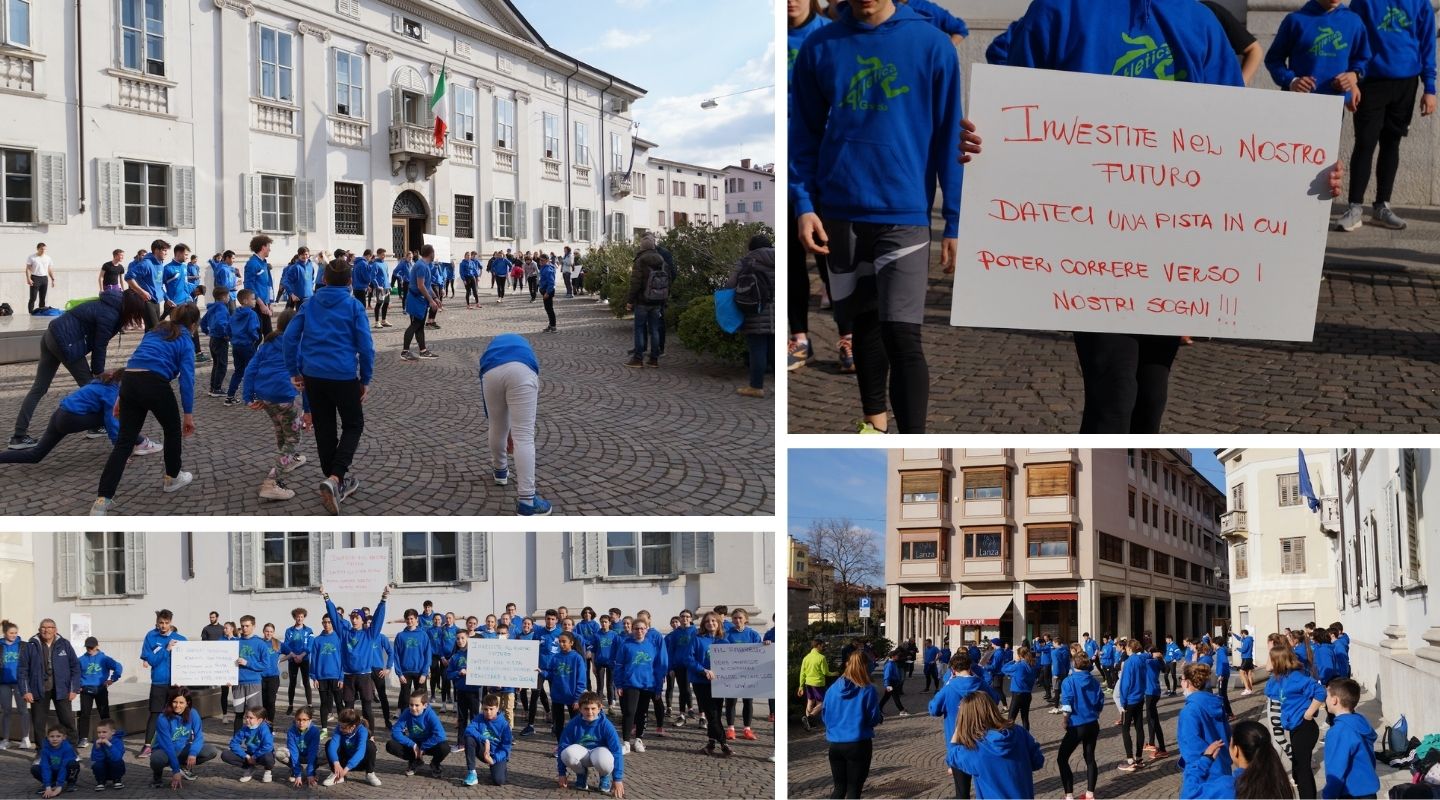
(356, 572)
(1112, 204)
(743, 670)
(502, 662)
(204, 663)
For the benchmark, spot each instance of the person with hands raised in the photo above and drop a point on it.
(357, 645)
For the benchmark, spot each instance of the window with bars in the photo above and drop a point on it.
(920, 545)
(1112, 548)
(147, 195)
(1288, 486)
(921, 487)
(142, 35)
(17, 186)
(277, 64)
(349, 209)
(104, 567)
(1139, 556)
(1292, 556)
(428, 557)
(1049, 480)
(985, 544)
(632, 555)
(984, 484)
(285, 560)
(277, 204)
(349, 85)
(551, 125)
(1050, 541)
(1162, 563)
(464, 216)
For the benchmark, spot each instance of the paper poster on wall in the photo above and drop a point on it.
(204, 663)
(743, 670)
(1102, 203)
(356, 573)
(79, 629)
(502, 662)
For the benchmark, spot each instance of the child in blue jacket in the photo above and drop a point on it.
(640, 667)
(467, 697)
(1154, 665)
(1081, 699)
(244, 339)
(1323, 48)
(894, 680)
(216, 324)
(488, 740)
(1130, 697)
(1349, 745)
(267, 388)
(1202, 721)
(1002, 759)
(566, 674)
(97, 672)
(418, 732)
(351, 747)
(1301, 698)
(56, 762)
(1022, 684)
(107, 756)
(590, 742)
(303, 742)
(253, 746)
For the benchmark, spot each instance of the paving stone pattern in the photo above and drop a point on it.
(610, 439)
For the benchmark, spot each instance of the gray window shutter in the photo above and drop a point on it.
(569, 233)
(319, 543)
(182, 197)
(696, 552)
(67, 564)
(521, 231)
(587, 555)
(474, 552)
(50, 186)
(242, 561)
(387, 541)
(768, 553)
(251, 201)
(135, 563)
(110, 200)
(305, 205)
(494, 218)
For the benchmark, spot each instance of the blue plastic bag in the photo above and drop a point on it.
(727, 315)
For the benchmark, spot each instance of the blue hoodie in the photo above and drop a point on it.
(1402, 38)
(179, 737)
(339, 343)
(495, 731)
(355, 743)
(1164, 39)
(224, 275)
(999, 50)
(296, 641)
(155, 651)
(424, 730)
(10, 661)
(1203, 777)
(641, 665)
(1003, 764)
(357, 642)
(215, 323)
(1201, 722)
(1042, 655)
(1325, 667)
(586, 629)
(797, 36)
(1022, 676)
(256, 654)
(298, 279)
(97, 669)
(507, 348)
(168, 358)
(1060, 661)
(1319, 44)
(590, 735)
(500, 267)
(469, 268)
(1131, 690)
(1153, 668)
(851, 712)
(112, 753)
(266, 376)
(699, 659)
(177, 283)
(1350, 758)
(566, 674)
(359, 274)
(257, 279)
(1294, 690)
(1107, 654)
(148, 274)
(379, 274)
(893, 675)
(54, 762)
(1247, 645)
(458, 660)
(863, 99)
(96, 397)
(1081, 697)
(304, 749)
(253, 742)
(946, 702)
(412, 652)
(244, 327)
(325, 663)
(382, 653)
(402, 270)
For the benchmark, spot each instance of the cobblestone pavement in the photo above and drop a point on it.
(1373, 367)
(670, 767)
(909, 756)
(610, 439)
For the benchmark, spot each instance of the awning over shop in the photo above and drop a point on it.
(980, 610)
(1054, 596)
(926, 600)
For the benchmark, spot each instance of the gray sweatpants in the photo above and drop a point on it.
(512, 393)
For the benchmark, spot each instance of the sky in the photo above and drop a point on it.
(681, 52)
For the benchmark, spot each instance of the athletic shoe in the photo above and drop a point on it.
(528, 731)
(4, 744)
(187, 775)
(846, 347)
(539, 507)
(348, 487)
(248, 775)
(550, 329)
(406, 355)
(1246, 693)
(679, 720)
(117, 785)
(178, 482)
(863, 427)
(798, 355)
(725, 751)
(1054, 711)
(653, 362)
(1149, 747)
(201, 358)
(435, 771)
(502, 477)
(155, 784)
(659, 731)
(216, 394)
(607, 783)
(471, 779)
(294, 462)
(807, 722)
(144, 751)
(633, 362)
(271, 489)
(330, 496)
(750, 391)
(1382, 215)
(232, 400)
(410, 769)
(624, 748)
(95, 433)
(1158, 754)
(330, 780)
(638, 745)
(147, 447)
(84, 743)
(730, 732)
(426, 354)
(1353, 218)
(283, 755)
(385, 323)
(749, 734)
(1130, 766)
(23, 442)
(372, 779)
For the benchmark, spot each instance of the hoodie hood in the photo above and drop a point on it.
(1357, 726)
(903, 14)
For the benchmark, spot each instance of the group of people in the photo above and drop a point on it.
(586, 666)
(988, 750)
(870, 232)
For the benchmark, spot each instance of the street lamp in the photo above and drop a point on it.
(710, 103)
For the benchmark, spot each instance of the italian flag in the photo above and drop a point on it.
(439, 109)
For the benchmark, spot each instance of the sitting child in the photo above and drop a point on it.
(590, 742)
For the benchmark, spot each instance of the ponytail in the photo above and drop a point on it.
(1265, 775)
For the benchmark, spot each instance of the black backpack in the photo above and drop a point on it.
(753, 289)
(657, 285)
(6, 310)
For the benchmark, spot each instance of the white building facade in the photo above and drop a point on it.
(17, 578)
(1387, 561)
(684, 194)
(750, 193)
(120, 579)
(307, 120)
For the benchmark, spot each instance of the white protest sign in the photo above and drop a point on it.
(442, 248)
(356, 572)
(1113, 204)
(204, 663)
(742, 670)
(502, 662)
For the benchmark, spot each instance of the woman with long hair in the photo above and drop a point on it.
(1202, 721)
(1259, 772)
(1022, 684)
(1301, 698)
(1002, 756)
(851, 712)
(697, 663)
(163, 355)
(179, 741)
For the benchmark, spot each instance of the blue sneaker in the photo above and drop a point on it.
(502, 477)
(582, 781)
(529, 731)
(470, 778)
(539, 507)
(605, 783)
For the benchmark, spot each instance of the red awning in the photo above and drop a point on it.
(926, 600)
(1056, 596)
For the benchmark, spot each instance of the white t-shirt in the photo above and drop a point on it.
(38, 266)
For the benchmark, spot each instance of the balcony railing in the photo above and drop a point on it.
(272, 117)
(462, 152)
(550, 169)
(582, 175)
(1233, 525)
(17, 70)
(348, 132)
(144, 93)
(998, 568)
(504, 160)
(413, 143)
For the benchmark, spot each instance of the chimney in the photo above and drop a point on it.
(745, 163)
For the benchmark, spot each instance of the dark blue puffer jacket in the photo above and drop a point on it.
(88, 328)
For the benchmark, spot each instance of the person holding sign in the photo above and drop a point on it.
(640, 667)
(740, 633)
(357, 643)
(862, 185)
(467, 697)
(592, 743)
(155, 653)
(697, 663)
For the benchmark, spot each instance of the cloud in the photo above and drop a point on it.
(616, 39)
(742, 126)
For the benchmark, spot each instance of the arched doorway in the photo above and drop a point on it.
(407, 224)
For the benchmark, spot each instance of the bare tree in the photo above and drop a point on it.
(851, 552)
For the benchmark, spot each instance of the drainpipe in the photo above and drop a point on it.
(564, 162)
(80, 101)
(605, 186)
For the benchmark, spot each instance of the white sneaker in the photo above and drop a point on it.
(329, 780)
(99, 508)
(147, 447)
(178, 482)
(624, 748)
(247, 775)
(638, 746)
(904, 713)
(187, 774)
(372, 779)
(267, 777)
(1353, 218)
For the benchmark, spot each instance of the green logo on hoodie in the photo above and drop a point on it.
(873, 73)
(1396, 21)
(1328, 43)
(1148, 58)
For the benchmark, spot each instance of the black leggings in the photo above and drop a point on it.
(1170, 680)
(362, 687)
(798, 278)
(530, 699)
(962, 784)
(384, 696)
(439, 683)
(331, 697)
(1020, 706)
(437, 753)
(1383, 119)
(62, 424)
(302, 670)
(891, 354)
(850, 766)
(471, 290)
(1302, 745)
(142, 393)
(416, 331)
(269, 690)
(710, 708)
(550, 307)
(1152, 718)
(896, 689)
(382, 304)
(747, 711)
(633, 705)
(338, 419)
(52, 357)
(1134, 716)
(1074, 736)
(1127, 379)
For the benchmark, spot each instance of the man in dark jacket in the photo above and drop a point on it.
(757, 269)
(50, 673)
(646, 300)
